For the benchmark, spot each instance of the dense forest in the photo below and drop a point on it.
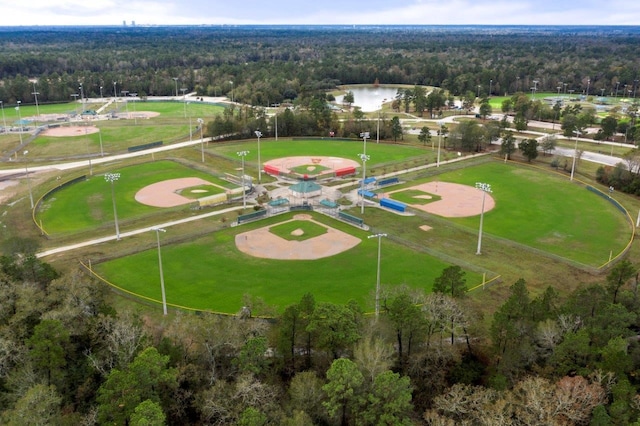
(267, 65)
(69, 356)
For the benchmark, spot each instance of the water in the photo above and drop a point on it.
(370, 98)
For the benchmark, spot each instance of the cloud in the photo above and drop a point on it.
(357, 12)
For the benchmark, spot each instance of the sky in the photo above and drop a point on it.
(325, 12)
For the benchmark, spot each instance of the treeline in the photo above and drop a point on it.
(264, 65)
(66, 357)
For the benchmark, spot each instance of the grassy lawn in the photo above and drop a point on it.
(209, 273)
(545, 211)
(176, 121)
(270, 150)
(415, 196)
(305, 228)
(88, 204)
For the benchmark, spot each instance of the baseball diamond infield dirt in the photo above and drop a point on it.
(456, 200)
(262, 243)
(67, 131)
(165, 193)
(331, 164)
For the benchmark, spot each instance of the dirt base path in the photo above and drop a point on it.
(262, 243)
(457, 200)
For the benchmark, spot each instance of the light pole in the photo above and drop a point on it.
(19, 121)
(175, 80)
(126, 101)
(111, 178)
(276, 116)
(259, 135)
(534, 89)
(201, 123)
(490, 85)
(365, 136)
(617, 85)
(232, 99)
(101, 97)
(588, 83)
(484, 187)
(184, 100)
(134, 95)
(115, 95)
(100, 135)
(35, 95)
(378, 127)
(164, 297)
(441, 125)
(82, 97)
(26, 169)
(478, 91)
(364, 158)
(86, 136)
(243, 154)
(4, 120)
(575, 154)
(379, 237)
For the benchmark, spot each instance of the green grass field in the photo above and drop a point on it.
(177, 120)
(270, 150)
(211, 274)
(545, 211)
(87, 205)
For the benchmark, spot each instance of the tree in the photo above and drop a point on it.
(520, 122)
(485, 109)
(508, 145)
(619, 275)
(569, 125)
(305, 391)
(252, 355)
(425, 135)
(549, 144)
(512, 330)
(389, 401)
(148, 413)
(419, 100)
(373, 356)
(348, 98)
(396, 128)
(451, 282)
(467, 136)
(148, 377)
(48, 348)
(608, 125)
(407, 322)
(529, 148)
(335, 327)
(40, 405)
(343, 388)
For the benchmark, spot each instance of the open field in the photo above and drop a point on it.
(86, 205)
(544, 211)
(379, 153)
(211, 274)
(177, 120)
(584, 230)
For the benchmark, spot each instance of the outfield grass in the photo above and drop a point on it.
(379, 153)
(546, 211)
(176, 121)
(88, 204)
(211, 274)
(309, 230)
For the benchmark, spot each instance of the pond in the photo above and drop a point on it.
(370, 98)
